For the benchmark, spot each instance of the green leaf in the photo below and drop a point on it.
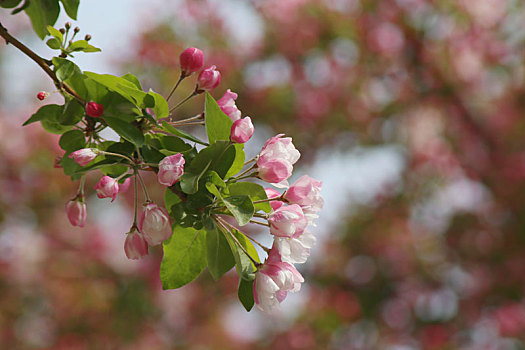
(21, 8)
(170, 199)
(245, 293)
(217, 157)
(82, 45)
(71, 7)
(255, 191)
(9, 4)
(151, 155)
(72, 140)
(241, 208)
(55, 33)
(126, 130)
(174, 144)
(72, 114)
(98, 165)
(238, 162)
(130, 77)
(53, 43)
(243, 264)
(47, 112)
(218, 124)
(161, 109)
(42, 13)
(65, 69)
(54, 127)
(214, 178)
(219, 255)
(114, 170)
(182, 134)
(124, 87)
(184, 257)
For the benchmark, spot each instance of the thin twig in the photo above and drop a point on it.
(43, 63)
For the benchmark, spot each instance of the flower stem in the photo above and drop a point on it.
(181, 78)
(136, 202)
(260, 223)
(194, 93)
(117, 155)
(224, 224)
(143, 186)
(266, 249)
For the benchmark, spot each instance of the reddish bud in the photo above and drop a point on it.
(42, 95)
(208, 79)
(76, 212)
(94, 109)
(191, 60)
(242, 130)
(135, 245)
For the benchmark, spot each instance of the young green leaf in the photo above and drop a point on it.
(255, 191)
(65, 69)
(51, 112)
(170, 199)
(241, 208)
(53, 43)
(42, 13)
(243, 264)
(161, 109)
(245, 293)
(126, 130)
(238, 162)
(71, 7)
(182, 134)
(72, 141)
(55, 33)
(82, 45)
(184, 257)
(218, 125)
(219, 254)
(9, 4)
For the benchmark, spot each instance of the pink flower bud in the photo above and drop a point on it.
(279, 147)
(274, 171)
(307, 193)
(191, 60)
(135, 246)
(94, 109)
(273, 281)
(171, 169)
(208, 79)
(288, 221)
(228, 106)
(242, 130)
(84, 156)
(107, 187)
(124, 187)
(42, 95)
(76, 212)
(155, 224)
(271, 193)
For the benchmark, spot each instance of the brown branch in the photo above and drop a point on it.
(43, 63)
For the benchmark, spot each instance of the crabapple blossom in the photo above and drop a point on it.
(208, 79)
(295, 250)
(171, 169)
(242, 130)
(279, 147)
(107, 187)
(228, 106)
(155, 224)
(273, 281)
(94, 109)
(135, 246)
(288, 221)
(76, 212)
(123, 187)
(274, 170)
(272, 193)
(84, 156)
(191, 60)
(306, 192)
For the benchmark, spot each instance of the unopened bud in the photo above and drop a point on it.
(42, 95)
(87, 37)
(77, 29)
(191, 60)
(208, 79)
(68, 25)
(62, 30)
(94, 109)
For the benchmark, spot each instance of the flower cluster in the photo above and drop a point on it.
(291, 214)
(202, 186)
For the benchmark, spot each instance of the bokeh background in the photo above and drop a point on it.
(411, 112)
